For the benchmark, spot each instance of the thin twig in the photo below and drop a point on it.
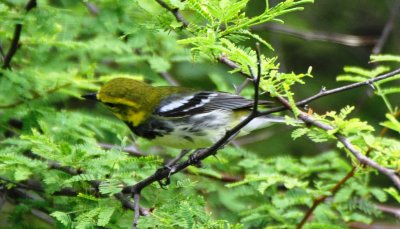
(15, 40)
(347, 144)
(240, 88)
(322, 198)
(35, 96)
(175, 12)
(94, 183)
(325, 92)
(389, 209)
(168, 77)
(92, 8)
(132, 150)
(338, 38)
(136, 200)
(387, 29)
(2, 52)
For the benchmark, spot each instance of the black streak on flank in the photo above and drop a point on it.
(150, 129)
(190, 139)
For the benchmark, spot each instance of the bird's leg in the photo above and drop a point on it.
(170, 166)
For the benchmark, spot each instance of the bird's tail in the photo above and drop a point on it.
(264, 121)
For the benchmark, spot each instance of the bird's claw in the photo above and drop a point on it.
(164, 184)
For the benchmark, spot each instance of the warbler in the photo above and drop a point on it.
(177, 117)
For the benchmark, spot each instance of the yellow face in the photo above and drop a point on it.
(125, 110)
(124, 97)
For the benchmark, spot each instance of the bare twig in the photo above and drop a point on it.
(387, 29)
(132, 150)
(15, 41)
(175, 12)
(389, 209)
(319, 200)
(2, 52)
(169, 78)
(35, 96)
(92, 8)
(347, 144)
(343, 39)
(136, 215)
(325, 92)
(322, 198)
(240, 88)
(94, 183)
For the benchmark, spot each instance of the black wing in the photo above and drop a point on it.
(201, 102)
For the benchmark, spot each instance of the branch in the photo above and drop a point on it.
(325, 92)
(333, 191)
(322, 198)
(132, 150)
(338, 38)
(175, 12)
(2, 54)
(92, 8)
(136, 199)
(169, 78)
(308, 119)
(35, 96)
(387, 29)
(94, 183)
(15, 41)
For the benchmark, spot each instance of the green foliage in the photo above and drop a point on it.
(52, 138)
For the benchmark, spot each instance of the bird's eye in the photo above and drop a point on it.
(110, 104)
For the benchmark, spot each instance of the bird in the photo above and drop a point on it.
(174, 116)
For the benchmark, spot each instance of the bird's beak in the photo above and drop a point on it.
(90, 96)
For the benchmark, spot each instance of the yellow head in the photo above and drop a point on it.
(130, 100)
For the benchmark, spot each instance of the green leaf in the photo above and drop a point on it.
(105, 215)
(62, 217)
(383, 58)
(394, 193)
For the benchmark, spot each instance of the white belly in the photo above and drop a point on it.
(198, 131)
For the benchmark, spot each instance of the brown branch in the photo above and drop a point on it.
(308, 119)
(338, 38)
(325, 92)
(175, 12)
(321, 199)
(333, 191)
(225, 60)
(94, 183)
(15, 40)
(387, 29)
(132, 150)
